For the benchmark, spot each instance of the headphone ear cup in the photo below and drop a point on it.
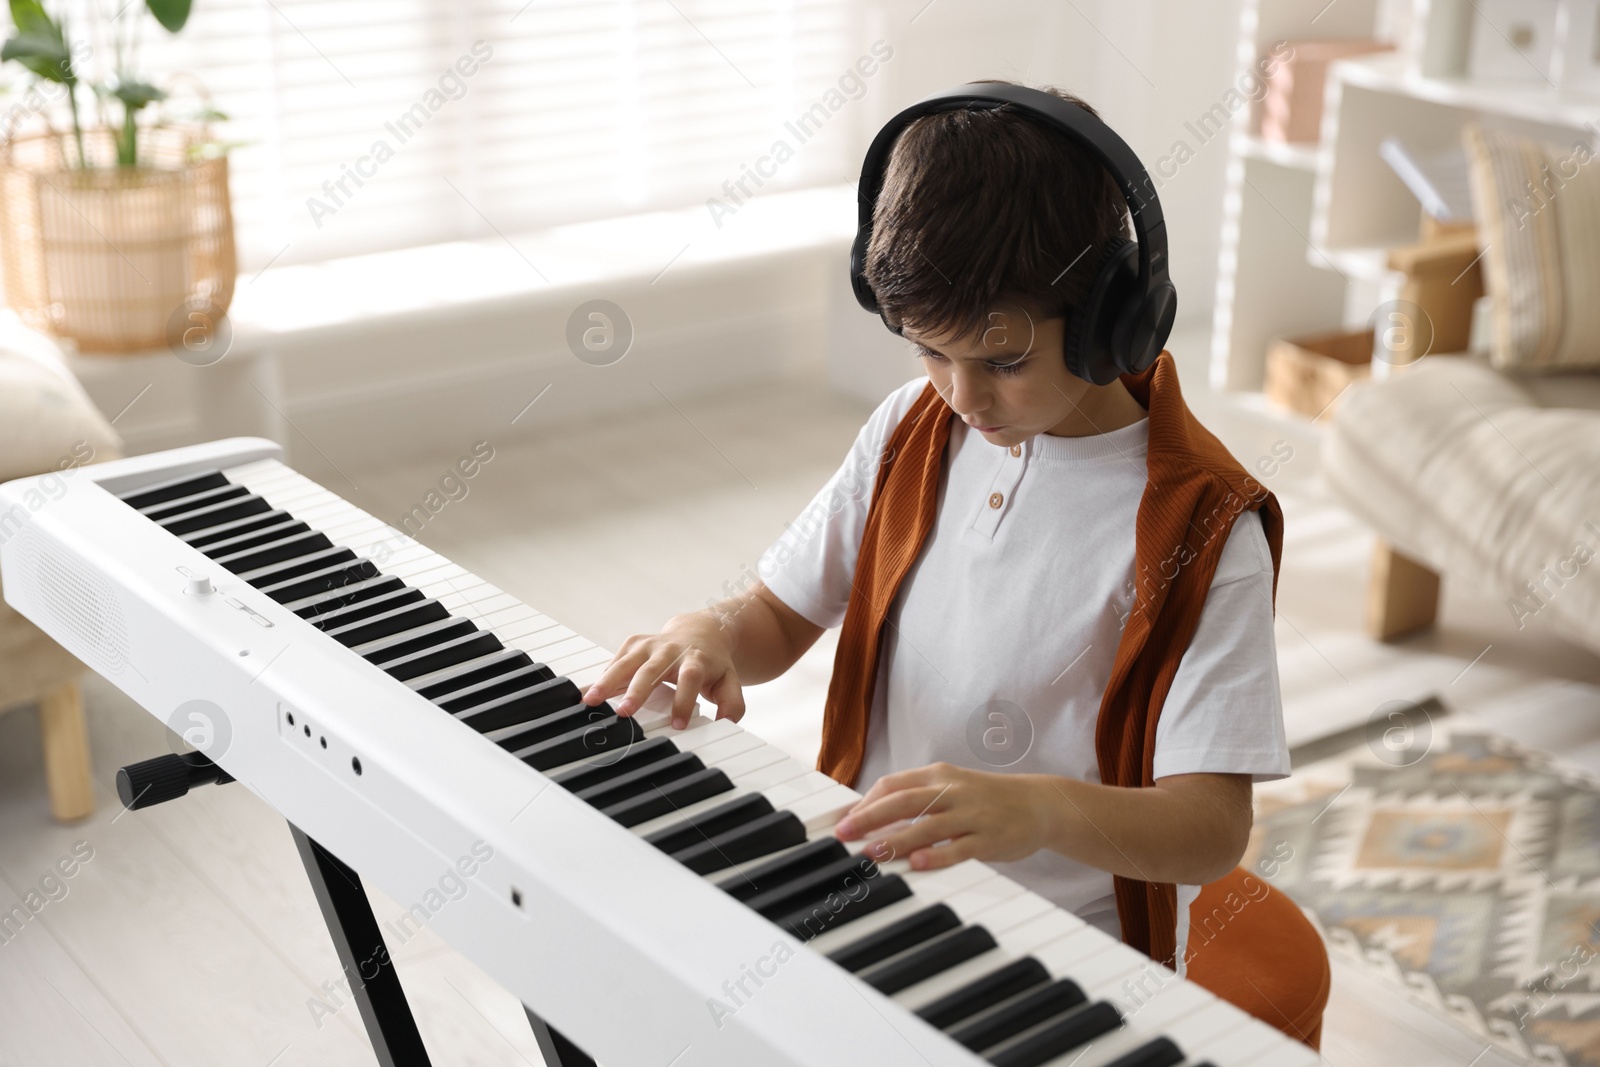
(1088, 347)
(858, 272)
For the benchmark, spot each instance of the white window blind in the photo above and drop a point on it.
(559, 111)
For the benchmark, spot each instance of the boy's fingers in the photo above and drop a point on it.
(905, 804)
(645, 680)
(621, 667)
(961, 848)
(728, 696)
(919, 835)
(691, 675)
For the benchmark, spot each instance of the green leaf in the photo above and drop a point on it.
(42, 53)
(172, 14)
(137, 94)
(29, 17)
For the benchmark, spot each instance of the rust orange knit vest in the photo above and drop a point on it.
(1194, 490)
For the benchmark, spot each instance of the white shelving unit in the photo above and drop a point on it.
(1307, 227)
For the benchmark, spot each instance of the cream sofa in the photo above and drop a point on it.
(1477, 474)
(47, 423)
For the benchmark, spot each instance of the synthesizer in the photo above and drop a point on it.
(656, 895)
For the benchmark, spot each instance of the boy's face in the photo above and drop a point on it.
(1009, 381)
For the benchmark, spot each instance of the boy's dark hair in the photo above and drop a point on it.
(980, 208)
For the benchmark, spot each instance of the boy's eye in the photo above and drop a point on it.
(1013, 367)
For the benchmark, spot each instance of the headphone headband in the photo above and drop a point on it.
(1152, 300)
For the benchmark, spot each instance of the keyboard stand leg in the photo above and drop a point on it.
(556, 1049)
(363, 955)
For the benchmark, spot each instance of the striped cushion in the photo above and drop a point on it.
(1540, 231)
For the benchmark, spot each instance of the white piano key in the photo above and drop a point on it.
(824, 808)
(1237, 1045)
(512, 617)
(551, 644)
(573, 662)
(564, 655)
(1287, 1053)
(1040, 931)
(983, 896)
(743, 764)
(1098, 964)
(1001, 917)
(805, 785)
(494, 602)
(946, 880)
(733, 743)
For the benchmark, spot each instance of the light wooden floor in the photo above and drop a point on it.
(191, 936)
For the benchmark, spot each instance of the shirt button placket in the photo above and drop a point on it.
(1004, 484)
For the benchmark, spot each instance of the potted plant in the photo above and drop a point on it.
(111, 236)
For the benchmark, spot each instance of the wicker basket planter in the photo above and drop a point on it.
(115, 258)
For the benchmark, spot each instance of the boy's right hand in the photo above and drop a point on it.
(692, 652)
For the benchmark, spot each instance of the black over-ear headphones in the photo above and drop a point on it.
(1124, 322)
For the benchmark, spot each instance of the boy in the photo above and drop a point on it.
(1027, 690)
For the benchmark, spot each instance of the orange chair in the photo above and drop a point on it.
(1252, 946)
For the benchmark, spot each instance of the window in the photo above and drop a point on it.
(378, 125)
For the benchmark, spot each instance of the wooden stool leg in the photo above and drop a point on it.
(1402, 594)
(66, 752)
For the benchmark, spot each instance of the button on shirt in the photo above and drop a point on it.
(1001, 639)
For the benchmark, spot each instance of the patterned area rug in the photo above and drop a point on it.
(1457, 866)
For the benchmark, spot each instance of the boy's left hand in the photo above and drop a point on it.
(981, 815)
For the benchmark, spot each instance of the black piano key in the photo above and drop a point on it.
(426, 635)
(204, 499)
(437, 657)
(247, 533)
(840, 908)
(666, 799)
(291, 546)
(940, 954)
(470, 672)
(815, 855)
(226, 511)
(275, 573)
(895, 938)
(812, 886)
(693, 829)
(496, 686)
(1072, 1030)
(375, 605)
(1015, 977)
(224, 530)
(1057, 998)
(614, 735)
(760, 837)
(642, 779)
(1160, 1052)
(326, 580)
(533, 704)
(391, 625)
(581, 777)
(516, 725)
(317, 605)
(173, 488)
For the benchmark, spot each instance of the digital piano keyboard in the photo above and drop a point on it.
(656, 896)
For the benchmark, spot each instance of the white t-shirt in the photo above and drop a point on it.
(1000, 641)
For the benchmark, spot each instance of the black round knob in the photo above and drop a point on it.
(153, 781)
